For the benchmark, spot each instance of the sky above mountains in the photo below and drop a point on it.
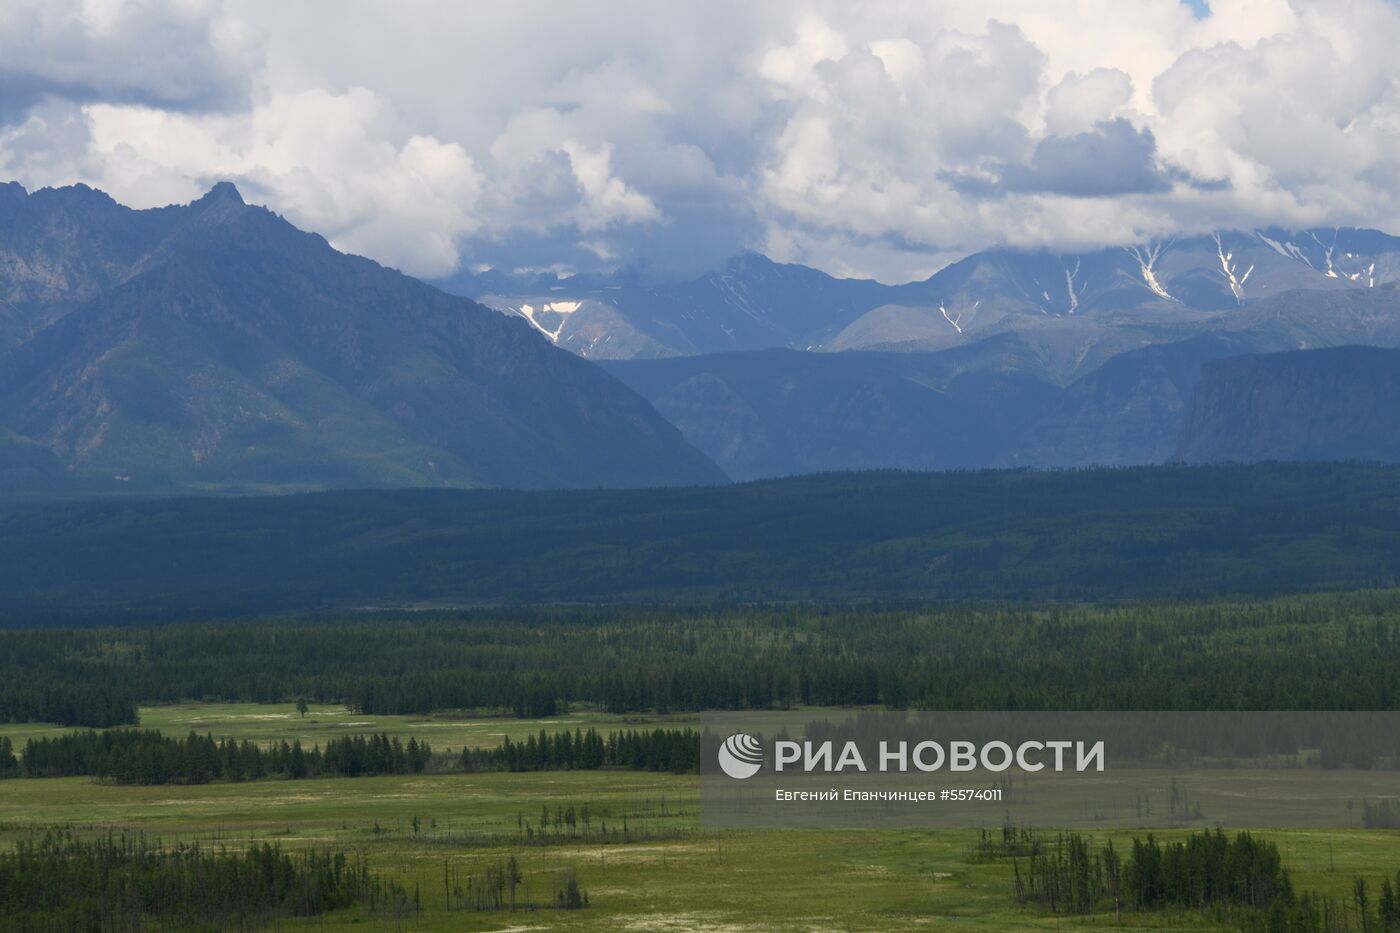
(877, 139)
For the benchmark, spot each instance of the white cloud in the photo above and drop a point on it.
(174, 53)
(1081, 100)
(606, 198)
(791, 68)
(881, 138)
(318, 157)
(1260, 113)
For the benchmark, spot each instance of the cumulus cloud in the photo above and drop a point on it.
(1110, 159)
(1080, 101)
(171, 53)
(883, 139)
(1113, 158)
(316, 156)
(1104, 123)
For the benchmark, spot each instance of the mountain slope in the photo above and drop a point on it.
(1149, 293)
(1160, 291)
(1332, 404)
(781, 412)
(233, 351)
(1127, 411)
(62, 246)
(989, 404)
(752, 303)
(1054, 392)
(1302, 320)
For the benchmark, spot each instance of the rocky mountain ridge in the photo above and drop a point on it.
(215, 346)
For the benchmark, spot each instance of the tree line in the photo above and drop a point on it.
(1322, 652)
(676, 750)
(1239, 880)
(134, 756)
(81, 705)
(59, 881)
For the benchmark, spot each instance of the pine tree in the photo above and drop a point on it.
(296, 764)
(1389, 909)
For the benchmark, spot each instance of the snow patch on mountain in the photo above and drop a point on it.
(1069, 284)
(1231, 270)
(1146, 259)
(537, 315)
(956, 322)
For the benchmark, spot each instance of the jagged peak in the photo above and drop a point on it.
(749, 258)
(75, 194)
(222, 191)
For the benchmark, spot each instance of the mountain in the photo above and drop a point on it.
(1084, 306)
(1127, 411)
(779, 412)
(60, 247)
(1067, 394)
(752, 303)
(1309, 319)
(215, 346)
(782, 412)
(1171, 282)
(1331, 404)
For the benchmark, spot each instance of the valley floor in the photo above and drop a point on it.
(662, 873)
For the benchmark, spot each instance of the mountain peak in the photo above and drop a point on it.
(222, 191)
(746, 261)
(214, 345)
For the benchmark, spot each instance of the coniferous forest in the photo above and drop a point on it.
(131, 756)
(1238, 881)
(1307, 652)
(1190, 632)
(63, 882)
(1321, 651)
(1106, 535)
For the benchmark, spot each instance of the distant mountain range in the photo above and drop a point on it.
(1005, 358)
(214, 346)
(1132, 296)
(752, 303)
(1000, 401)
(780, 412)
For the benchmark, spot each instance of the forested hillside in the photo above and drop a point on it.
(1316, 652)
(1163, 532)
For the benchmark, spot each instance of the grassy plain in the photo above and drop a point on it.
(665, 875)
(264, 723)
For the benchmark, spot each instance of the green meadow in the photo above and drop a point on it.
(644, 861)
(264, 723)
